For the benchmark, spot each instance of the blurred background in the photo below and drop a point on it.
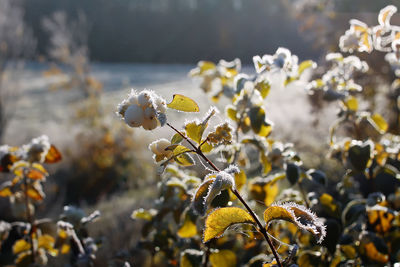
(66, 64)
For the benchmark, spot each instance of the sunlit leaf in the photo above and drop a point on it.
(220, 219)
(21, 245)
(5, 192)
(177, 138)
(231, 113)
(306, 65)
(379, 123)
(264, 87)
(298, 215)
(184, 160)
(188, 229)
(351, 103)
(223, 258)
(372, 253)
(46, 242)
(198, 202)
(206, 147)
(143, 214)
(183, 103)
(195, 130)
(380, 218)
(53, 155)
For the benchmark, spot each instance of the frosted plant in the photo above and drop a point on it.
(145, 109)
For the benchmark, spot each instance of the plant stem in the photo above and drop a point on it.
(206, 256)
(261, 228)
(29, 219)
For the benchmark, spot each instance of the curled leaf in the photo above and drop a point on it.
(213, 185)
(220, 219)
(298, 215)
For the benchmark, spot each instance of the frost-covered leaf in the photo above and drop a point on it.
(183, 103)
(184, 159)
(298, 215)
(220, 219)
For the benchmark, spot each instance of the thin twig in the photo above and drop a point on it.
(261, 228)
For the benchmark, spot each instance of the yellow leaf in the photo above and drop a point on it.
(65, 248)
(231, 113)
(184, 160)
(223, 258)
(183, 103)
(240, 181)
(379, 123)
(298, 215)
(46, 242)
(328, 201)
(195, 130)
(5, 192)
(188, 228)
(53, 155)
(381, 219)
(143, 214)
(198, 200)
(220, 219)
(351, 103)
(271, 191)
(20, 246)
(206, 147)
(306, 65)
(374, 254)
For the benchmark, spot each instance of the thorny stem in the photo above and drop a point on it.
(29, 219)
(261, 228)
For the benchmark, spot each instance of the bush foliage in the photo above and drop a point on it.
(231, 193)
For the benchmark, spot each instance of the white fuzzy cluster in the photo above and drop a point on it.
(146, 109)
(36, 150)
(158, 147)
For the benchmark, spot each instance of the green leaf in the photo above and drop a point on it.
(264, 87)
(179, 149)
(220, 219)
(184, 160)
(176, 139)
(183, 103)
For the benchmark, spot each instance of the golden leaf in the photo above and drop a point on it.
(223, 258)
(183, 103)
(220, 219)
(298, 215)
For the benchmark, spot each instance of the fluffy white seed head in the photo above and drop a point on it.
(150, 113)
(145, 98)
(150, 124)
(134, 116)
